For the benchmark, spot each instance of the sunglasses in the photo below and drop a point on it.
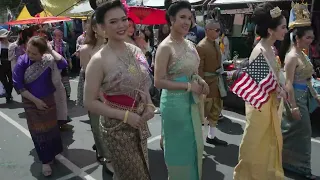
(216, 30)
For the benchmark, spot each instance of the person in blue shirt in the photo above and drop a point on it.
(196, 32)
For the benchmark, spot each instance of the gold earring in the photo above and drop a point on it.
(96, 35)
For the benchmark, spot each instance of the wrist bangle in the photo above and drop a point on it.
(189, 87)
(126, 117)
(151, 105)
(294, 109)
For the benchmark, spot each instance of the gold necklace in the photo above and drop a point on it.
(182, 44)
(132, 66)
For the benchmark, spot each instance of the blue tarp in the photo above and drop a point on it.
(4, 27)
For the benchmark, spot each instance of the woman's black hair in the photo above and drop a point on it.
(297, 32)
(134, 27)
(90, 34)
(102, 9)
(161, 35)
(174, 8)
(263, 20)
(150, 38)
(25, 34)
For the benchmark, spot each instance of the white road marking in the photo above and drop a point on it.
(72, 167)
(243, 122)
(97, 164)
(154, 139)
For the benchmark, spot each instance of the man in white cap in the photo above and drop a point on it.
(5, 67)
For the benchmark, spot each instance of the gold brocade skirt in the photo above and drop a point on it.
(260, 154)
(126, 147)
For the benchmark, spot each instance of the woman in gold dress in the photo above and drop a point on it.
(120, 70)
(261, 147)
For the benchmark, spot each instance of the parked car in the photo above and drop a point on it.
(233, 101)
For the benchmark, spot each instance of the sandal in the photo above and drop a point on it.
(46, 170)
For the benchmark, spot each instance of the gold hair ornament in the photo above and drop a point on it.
(275, 12)
(301, 14)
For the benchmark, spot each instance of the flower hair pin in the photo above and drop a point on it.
(275, 12)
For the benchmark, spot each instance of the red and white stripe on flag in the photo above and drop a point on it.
(252, 92)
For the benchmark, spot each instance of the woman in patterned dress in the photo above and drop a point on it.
(296, 123)
(120, 70)
(176, 68)
(34, 78)
(93, 42)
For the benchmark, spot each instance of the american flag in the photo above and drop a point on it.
(256, 83)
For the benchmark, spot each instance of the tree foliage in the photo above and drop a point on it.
(11, 4)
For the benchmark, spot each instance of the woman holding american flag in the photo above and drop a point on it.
(260, 155)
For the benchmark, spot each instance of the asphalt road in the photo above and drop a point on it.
(18, 159)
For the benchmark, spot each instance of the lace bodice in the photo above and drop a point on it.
(185, 63)
(304, 72)
(124, 80)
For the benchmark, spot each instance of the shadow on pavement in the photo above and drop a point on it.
(294, 176)
(80, 157)
(58, 170)
(74, 110)
(13, 105)
(227, 126)
(219, 154)
(22, 115)
(209, 170)
(157, 165)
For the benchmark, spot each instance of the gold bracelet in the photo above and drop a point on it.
(294, 109)
(189, 87)
(151, 105)
(126, 117)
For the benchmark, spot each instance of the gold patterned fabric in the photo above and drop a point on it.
(125, 146)
(260, 151)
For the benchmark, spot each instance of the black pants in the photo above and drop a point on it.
(6, 77)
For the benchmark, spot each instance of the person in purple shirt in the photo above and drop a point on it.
(34, 78)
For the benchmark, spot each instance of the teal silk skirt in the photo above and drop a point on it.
(297, 134)
(182, 134)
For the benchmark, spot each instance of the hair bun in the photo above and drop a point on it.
(262, 14)
(96, 3)
(167, 4)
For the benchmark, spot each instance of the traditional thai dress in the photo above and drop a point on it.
(297, 133)
(260, 154)
(63, 49)
(124, 145)
(94, 118)
(36, 77)
(81, 87)
(181, 123)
